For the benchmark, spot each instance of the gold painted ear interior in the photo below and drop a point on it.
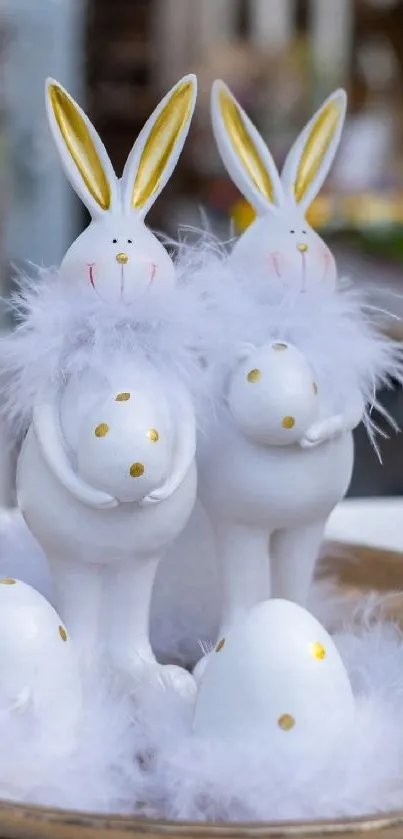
(316, 146)
(161, 143)
(80, 145)
(244, 146)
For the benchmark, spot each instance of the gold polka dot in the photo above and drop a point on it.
(288, 422)
(101, 429)
(286, 722)
(122, 397)
(254, 375)
(153, 435)
(317, 650)
(220, 645)
(62, 633)
(314, 388)
(136, 470)
(8, 581)
(279, 347)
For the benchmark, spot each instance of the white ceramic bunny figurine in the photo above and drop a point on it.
(273, 470)
(106, 475)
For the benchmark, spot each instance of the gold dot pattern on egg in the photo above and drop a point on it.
(152, 435)
(101, 429)
(288, 422)
(136, 470)
(286, 722)
(62, 633)
(317, 650)
(8, 581)
(314, 388)
(220, 645)
(122, 397)
(279, 347)
(254, 375)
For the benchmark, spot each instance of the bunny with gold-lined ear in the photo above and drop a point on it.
(117, 257)
(280, 241)
(106, 475)
(267, 496)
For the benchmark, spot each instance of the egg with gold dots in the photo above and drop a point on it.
(40, 679)
(273, 396)
(276, 677)
(125, 444)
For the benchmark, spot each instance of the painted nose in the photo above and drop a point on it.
(122, 258)
(302, 247)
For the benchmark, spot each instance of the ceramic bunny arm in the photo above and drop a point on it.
(49, 435)
(185, 450)
(334, 426)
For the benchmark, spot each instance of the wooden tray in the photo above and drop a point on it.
(356, 571)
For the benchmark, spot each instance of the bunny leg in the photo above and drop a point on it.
(243, 556)
(127, 605)
(294, 552)
(78, 588)
(243, 559)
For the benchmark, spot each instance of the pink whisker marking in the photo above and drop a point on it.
(327, 261)
(91, 274)
(274, 260)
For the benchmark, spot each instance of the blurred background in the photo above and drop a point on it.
(281, 58)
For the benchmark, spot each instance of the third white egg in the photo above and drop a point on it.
(273, 395)
(277, 679)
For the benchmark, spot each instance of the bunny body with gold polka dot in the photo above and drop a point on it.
(106, 475)
(279, 456)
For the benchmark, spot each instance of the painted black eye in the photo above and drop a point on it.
(130, 241)
(114, 241)
(292, 231)
(304, 232)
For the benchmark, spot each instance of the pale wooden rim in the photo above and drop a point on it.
(18, 820)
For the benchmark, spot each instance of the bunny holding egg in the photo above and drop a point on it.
(102, 378)
(279, 455)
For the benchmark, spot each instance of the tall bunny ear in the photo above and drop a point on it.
(82, 153)
(312, 154)
(156, 151)
(244, 153)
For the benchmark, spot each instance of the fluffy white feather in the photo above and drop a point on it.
(213, 309)
(61, 333)
(206, 781)
(338, 330)
(139, 757)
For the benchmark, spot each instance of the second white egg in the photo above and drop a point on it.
(273, 395)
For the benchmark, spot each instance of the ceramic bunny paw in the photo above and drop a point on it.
(106, 475)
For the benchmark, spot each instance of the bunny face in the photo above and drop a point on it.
(117, 257)
(280, 240)
(288, 250)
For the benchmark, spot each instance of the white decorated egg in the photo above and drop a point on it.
(40, 678)
(125, 445)
(277, 678)
(273, 395)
